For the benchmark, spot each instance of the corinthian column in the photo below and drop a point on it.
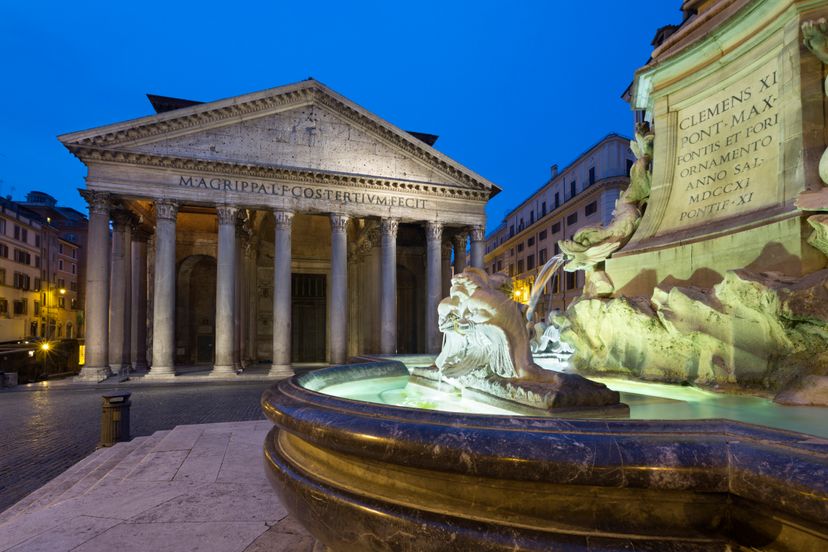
(460, 252)
(281, 295)
(163, 302)
(445, 269)
(118, 291)
(388, 286)
(434, 237)
(225, 291)
(96, 307)
(138, 323)
(338, 302)
(477, 246)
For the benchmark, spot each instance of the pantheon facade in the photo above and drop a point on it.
(284, 226)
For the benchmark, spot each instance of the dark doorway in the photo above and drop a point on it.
(195, 307)
(308, 319)
(409, 307)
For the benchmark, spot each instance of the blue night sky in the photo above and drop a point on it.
(510, 87)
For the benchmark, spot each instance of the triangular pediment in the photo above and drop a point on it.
(305, 127)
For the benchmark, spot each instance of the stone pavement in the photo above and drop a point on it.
(196, 487)
(45, 428)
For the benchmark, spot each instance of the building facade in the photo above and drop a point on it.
(39, 274)
(582, 194)
(289, 225)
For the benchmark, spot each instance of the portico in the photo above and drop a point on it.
(277, 227)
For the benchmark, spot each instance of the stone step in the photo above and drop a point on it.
(128, 463)
(85, 475)
(57, 486)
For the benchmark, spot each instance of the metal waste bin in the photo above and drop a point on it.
(115, 419)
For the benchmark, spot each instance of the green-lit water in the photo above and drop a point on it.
(647, 401)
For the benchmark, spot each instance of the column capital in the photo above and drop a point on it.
(434, 230)
(227, 214)
(459, 239)
(389, 227)
(446, 249)
(166, 209)
(284, 218)
(339, 222)
(121, 218)
(477, 233)
(99, 202)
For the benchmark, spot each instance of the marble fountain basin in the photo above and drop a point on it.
(367, 476)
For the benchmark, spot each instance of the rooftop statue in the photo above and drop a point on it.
(486, 351)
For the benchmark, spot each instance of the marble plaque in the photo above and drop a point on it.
(726, 162)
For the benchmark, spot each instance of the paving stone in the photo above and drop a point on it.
(205, 458)
(67, 536)
(48, 430)
(158, 466)
(175, 537)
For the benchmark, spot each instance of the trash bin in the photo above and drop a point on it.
(115, 419)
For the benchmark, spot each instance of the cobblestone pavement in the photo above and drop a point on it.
(44, 432)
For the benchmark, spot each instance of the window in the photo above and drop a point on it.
(572, 189)
(591, 176)
(530, 262)
(4, 306)
(36, 307)
(61, 283)
(531, 242)
(512, 252)
(570, 280)
(2, 227)
(37, 284)
(499, 265)
(556, 283)
(17, 232)
(532, 217)
(542, 235)
(74, 268)
(520, 266)
(557, 200)
(60, 248)
(511, 230)
(543, 209)
(4, 250)
(74, 253)
(557, 249)
(20, 307)
(542, 256)
(511, 270)
(37, 261)
(2, 276)
(22, 257)
(73, 285)
(74, 304)
(62, 302)
(556, 227)
(60, 264)
(520, 247)
(591, 208)
(629, 165)
(21, 281)
(37, 240)
(520, 226)
(572, 219)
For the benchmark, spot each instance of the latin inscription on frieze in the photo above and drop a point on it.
(299, 192)
(727, 154)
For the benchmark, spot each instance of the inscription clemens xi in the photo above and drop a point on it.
(728, 150)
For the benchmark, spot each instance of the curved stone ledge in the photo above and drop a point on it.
(412, 479)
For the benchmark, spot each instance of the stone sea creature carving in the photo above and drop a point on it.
(547, 338)
(486, 352)
(594, 244)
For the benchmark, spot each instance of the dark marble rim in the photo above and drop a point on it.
(789, 470)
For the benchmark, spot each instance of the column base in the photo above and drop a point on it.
(161, 372)
(93, 374)
(224, 370)
(280, 370)
(140, 366)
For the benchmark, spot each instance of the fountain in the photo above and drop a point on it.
(364, 475)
